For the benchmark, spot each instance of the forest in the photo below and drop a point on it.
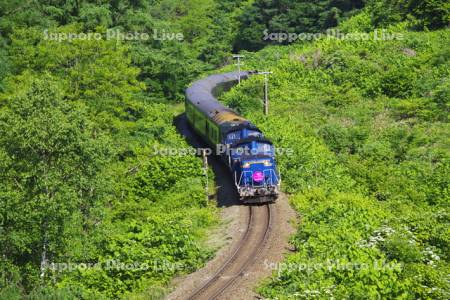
(80, 118)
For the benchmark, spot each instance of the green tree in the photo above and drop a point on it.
(51, 159)
(432, 14)
(290, 17)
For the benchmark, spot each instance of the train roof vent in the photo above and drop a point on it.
(213, 113)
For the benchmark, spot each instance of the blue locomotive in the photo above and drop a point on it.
(241, 145)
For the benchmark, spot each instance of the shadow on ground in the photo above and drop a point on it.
(226, 194)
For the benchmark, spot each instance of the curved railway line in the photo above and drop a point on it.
(249, 177)
(252, 243)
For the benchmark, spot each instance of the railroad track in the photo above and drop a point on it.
(248, 248)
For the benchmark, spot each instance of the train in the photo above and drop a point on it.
(241, 145)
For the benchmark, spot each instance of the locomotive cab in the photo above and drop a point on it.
(237, 133)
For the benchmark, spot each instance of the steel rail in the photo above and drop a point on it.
(236, 254)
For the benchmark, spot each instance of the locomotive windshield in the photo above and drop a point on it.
(255, 148)
(240, 134)
(263, 148)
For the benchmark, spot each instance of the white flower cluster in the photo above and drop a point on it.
(377, 237)
(411, 237)
(430, 256)
(308, 294)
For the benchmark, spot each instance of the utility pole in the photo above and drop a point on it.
(266, 91)
(205, 172)
(238, 57)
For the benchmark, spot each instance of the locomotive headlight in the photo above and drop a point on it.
(246, 165)
(267, 163)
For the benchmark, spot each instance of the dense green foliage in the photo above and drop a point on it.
(287, 16)
(266, 17)
(431, 14)
(80, 182)
(368, 123)
(166, 65)
(89, 210)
